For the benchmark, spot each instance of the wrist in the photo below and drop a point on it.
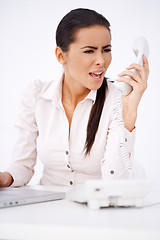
(129, 120)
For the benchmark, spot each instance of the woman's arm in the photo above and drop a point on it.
(24, 154)
(139, 84)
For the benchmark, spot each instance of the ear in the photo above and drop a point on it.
(60, 55)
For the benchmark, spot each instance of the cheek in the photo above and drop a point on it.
(73, 64)
(80, 63)
(108, 60)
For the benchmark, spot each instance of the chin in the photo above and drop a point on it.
(96, 86)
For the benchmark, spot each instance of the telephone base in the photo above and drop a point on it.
(110, 193)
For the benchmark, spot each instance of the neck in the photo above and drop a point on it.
(73, 93)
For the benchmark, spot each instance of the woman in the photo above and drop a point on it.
(80, 126)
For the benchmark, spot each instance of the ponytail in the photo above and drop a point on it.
(95, 116)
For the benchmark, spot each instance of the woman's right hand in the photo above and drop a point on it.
(6, 179)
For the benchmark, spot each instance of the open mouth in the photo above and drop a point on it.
(96, 75)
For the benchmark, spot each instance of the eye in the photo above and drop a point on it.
(107, 50)
(88, 51)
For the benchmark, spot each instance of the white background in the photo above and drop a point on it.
(27, 44)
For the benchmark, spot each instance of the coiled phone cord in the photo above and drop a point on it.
(124, 152)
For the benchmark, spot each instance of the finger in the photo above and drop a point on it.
(130, 81)
(135, 66)
(145, 63)
(143, 71)
(139, 67)
(132, 74)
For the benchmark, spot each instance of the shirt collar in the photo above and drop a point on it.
(92, 95)
(54, 92)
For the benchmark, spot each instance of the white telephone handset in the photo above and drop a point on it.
(140, 47)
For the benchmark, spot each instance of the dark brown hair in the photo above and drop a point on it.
(65, 35)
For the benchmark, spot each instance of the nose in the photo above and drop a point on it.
(100, 59)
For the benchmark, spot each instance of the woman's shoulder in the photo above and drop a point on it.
(37, 86)
(34, 90)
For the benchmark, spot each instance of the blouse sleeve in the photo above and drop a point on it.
(118, 160)
(24, 152)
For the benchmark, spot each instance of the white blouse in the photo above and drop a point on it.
(43, 130)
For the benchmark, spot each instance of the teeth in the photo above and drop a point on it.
(98, 73)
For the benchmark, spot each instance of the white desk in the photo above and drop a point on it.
(68, 220)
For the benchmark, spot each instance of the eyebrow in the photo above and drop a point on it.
(95, 48)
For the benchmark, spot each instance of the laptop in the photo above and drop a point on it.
(10, 197)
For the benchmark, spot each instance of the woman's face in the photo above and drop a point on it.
(88, 57)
